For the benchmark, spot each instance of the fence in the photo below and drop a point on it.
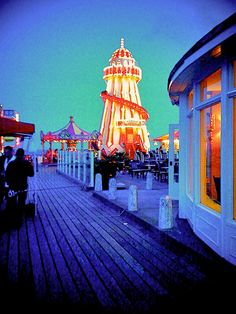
(78, 165)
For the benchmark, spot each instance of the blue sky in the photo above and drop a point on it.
(52, 54)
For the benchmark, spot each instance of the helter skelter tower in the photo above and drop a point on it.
(123, 126)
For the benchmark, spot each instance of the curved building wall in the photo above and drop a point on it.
(203, 84)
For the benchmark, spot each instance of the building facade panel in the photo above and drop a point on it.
(203, 85)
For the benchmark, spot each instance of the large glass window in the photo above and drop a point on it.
(190, 100)
(190, 145)
(234, 73)
(210, 126)
(234, 154)
(211, 86)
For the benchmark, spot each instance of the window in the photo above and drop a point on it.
(190, 145)
(234, 73)
(211, 86)
(210, 156)
(190, 100)
(234, 157)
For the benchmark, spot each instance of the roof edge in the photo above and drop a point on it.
(219, 28)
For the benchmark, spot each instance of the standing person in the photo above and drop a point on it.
(17, 174)
(5, 159)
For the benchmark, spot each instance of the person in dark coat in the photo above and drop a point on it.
(5, 159)
(17, 174)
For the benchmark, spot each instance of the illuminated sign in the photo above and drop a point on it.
(130, 123)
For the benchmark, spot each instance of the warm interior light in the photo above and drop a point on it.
(216, 52)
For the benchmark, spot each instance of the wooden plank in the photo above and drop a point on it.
(144, 290)
(13, 257)
(4, 249)
(87, 251)
(36, 262)
(25, 271)
(163, 254)
(54, 288)
(157, 265)
(60, 262)
(84, 236)
(101, 292)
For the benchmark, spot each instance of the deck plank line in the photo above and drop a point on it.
(166, 254)
(13, 257)
(61, 265)
(55, 290)
(25, 271)
(36, 263)
(80, 231)
(160, 258)
(86, 253)
(142, 287)
(118, 259)
(157, 256)
(102, 294)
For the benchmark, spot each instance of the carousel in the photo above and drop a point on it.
(70, 135)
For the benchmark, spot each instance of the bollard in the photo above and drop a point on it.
(165, 213)
(149, 181)
(133, 198)
(112, 189)
(98, 182)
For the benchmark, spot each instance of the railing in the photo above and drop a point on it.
(78, 165)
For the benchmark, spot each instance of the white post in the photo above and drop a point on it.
(64, 161)
(133, 198)
(58, 161)
(112, 189)
(69, 162)
(99, 155)
(84, 166)
(98, 182)
(73, 158)
(149, 181)
(165, 213)
(79, 161)
(91, 169)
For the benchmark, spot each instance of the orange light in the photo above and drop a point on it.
(216, 52)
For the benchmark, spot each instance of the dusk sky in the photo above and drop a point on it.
(52, 55)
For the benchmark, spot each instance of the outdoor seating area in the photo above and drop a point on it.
(158, 168)
(151, 162)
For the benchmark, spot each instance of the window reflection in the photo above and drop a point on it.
(234, 73)
(190, 145)
(190, 100)
(210, 156)
(211, 86)
(234, 154)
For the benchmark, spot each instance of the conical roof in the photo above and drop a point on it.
(121, 54)
(71, 131)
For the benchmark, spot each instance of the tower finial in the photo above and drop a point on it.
(122, 43)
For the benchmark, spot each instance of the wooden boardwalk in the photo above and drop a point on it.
(79, 253)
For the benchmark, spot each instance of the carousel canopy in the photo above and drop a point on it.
(10, 127)
(70, 132)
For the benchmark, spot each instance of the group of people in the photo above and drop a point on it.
(14, 173)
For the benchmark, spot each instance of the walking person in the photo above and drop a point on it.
(17, 174)
(5, 159)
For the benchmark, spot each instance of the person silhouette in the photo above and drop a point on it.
(5, 159)
(17, 174)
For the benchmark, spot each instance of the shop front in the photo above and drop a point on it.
(203, 85)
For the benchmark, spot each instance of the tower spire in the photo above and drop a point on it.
(122, 43)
